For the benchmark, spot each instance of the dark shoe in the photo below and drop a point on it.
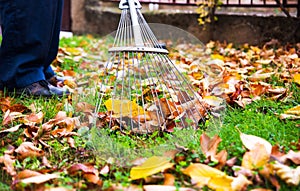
(42, 88)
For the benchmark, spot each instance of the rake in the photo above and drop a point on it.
(141, 89)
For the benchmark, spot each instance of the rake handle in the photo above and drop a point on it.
(135, 24)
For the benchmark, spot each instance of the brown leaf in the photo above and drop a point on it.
(89, 172)
(39, 178)
(169, 179)
(9, 117)
(84, 107)
(209, 146)
(34, 118)
(293, 156)
(27, 174)
(10, 130)
(27, 149)
(8, 162)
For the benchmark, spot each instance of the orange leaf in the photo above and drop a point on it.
(169, 179)
(296, 78)
(256, 157)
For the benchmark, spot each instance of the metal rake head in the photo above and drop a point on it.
(142, 90)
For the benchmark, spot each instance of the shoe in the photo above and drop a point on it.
(42, 88)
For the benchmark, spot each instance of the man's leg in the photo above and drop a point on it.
(27, 28)
(53, 49)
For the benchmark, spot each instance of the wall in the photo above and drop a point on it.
(91, 16)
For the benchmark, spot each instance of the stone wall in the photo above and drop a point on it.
(91, 16)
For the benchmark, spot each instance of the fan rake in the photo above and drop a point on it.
(141, 89)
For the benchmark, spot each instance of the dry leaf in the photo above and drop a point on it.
(123, 108)
(293, 156)
(10, 130)
(294, 111)
(209, 146)
(213, 101)
(9, 117)
(240, 183)
(151, 166)
(286, 173)
(27, 149)
(39, 178)
(255, 158)
(34, 118)
(205, 175)
(169, 179)
(249, 141)
(296, 78)
(8, 162)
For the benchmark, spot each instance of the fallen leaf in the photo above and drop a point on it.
(8, 162)
(294, 111)
(123, 108)
(10, 130)
(9, 117)
(249, 141)
(151, 166)
(27, 149)
(39, 178)
(240, 183)
(293, 156)
(209, 146)
(286, 173)
(213, 101)
(202, 175)
(27, 174)
(34, 118)
(256, 158)
(169, 179)
(296, 78)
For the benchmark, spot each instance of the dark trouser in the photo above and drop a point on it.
(30, 30)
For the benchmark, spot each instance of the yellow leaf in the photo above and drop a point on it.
(296, 78)
(294, 110)
(213, 100)
(289, 175)
(217, 56)
(123, 108)
(73, 51)
(151, 166)
(202, 175)
(255, 158)
(249, 141)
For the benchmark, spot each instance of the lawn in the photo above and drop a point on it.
(254, 144)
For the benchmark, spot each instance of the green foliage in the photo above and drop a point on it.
(206, 10)
(261, 119)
